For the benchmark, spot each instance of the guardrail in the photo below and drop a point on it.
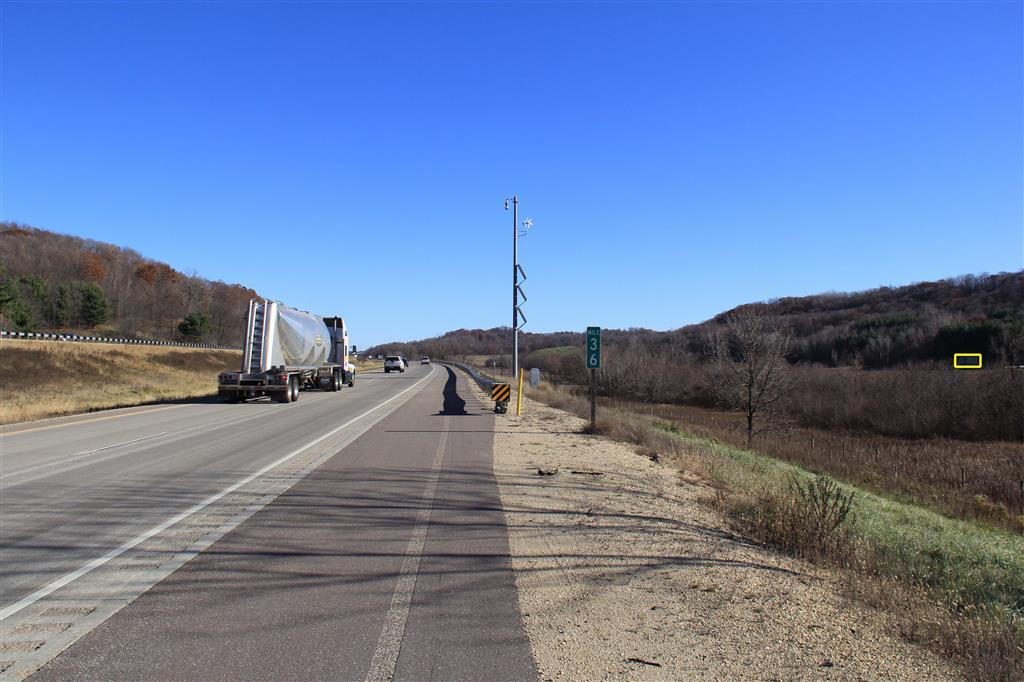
(485, 383)
(36, 336)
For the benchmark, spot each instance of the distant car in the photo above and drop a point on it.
(393, 363)
(405, 363)
(424, 360)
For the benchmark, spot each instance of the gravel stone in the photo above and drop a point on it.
(635, 565)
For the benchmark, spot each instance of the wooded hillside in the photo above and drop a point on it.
(885, 327)
(55, 282)
(903, 337)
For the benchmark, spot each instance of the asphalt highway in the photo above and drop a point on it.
(388, 560)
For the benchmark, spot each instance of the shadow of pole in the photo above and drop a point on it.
(454, 405)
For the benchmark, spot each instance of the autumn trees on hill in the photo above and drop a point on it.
(55, 282)
(875, 329)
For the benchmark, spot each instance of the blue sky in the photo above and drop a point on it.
(677, 159)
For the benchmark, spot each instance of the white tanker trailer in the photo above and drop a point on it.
(287, 350)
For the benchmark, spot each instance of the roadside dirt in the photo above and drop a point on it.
(624, 573)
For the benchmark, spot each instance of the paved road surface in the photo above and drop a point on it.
(74, 487)
(389, 559)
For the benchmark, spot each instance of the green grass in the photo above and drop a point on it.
(970, 564)
(556, 350)
(953, 586)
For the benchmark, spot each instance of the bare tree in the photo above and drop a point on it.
(750, 369)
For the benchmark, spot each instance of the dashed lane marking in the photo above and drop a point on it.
(79, 455)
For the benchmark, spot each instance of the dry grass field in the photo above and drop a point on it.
(48, 379)
(979, 480)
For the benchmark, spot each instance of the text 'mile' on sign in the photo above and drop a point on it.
(593, 347)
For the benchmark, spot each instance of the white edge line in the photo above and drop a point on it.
(67, 578)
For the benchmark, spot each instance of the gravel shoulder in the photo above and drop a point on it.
(624, 571)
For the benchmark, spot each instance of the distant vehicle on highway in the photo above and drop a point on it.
(405, 362)
(393, 363)
(424, 360)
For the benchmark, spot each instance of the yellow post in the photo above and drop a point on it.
(519, 394)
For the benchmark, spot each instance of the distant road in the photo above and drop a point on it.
(385, 555)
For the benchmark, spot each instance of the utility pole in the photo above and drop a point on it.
(515, 284)
(517, 291)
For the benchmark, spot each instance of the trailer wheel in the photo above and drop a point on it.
(288, 395)
(336, 380)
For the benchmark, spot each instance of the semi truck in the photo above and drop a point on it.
(288, 350)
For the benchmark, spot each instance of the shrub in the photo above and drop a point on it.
(809, 520)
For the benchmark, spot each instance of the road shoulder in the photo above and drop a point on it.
(622, 572)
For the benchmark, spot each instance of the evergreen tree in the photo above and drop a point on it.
(68, 305)
(19, 315)
(9, 290)
(95, 308)
(195, 326)
(12, 307)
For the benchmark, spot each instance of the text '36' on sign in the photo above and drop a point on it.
(593, 347)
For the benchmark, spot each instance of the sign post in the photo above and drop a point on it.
(519, 393)
(593, 364)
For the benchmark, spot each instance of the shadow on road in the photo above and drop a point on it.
(454, 405)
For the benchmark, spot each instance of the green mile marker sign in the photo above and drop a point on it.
(593, 347)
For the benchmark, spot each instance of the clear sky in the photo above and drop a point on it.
(677, 158)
